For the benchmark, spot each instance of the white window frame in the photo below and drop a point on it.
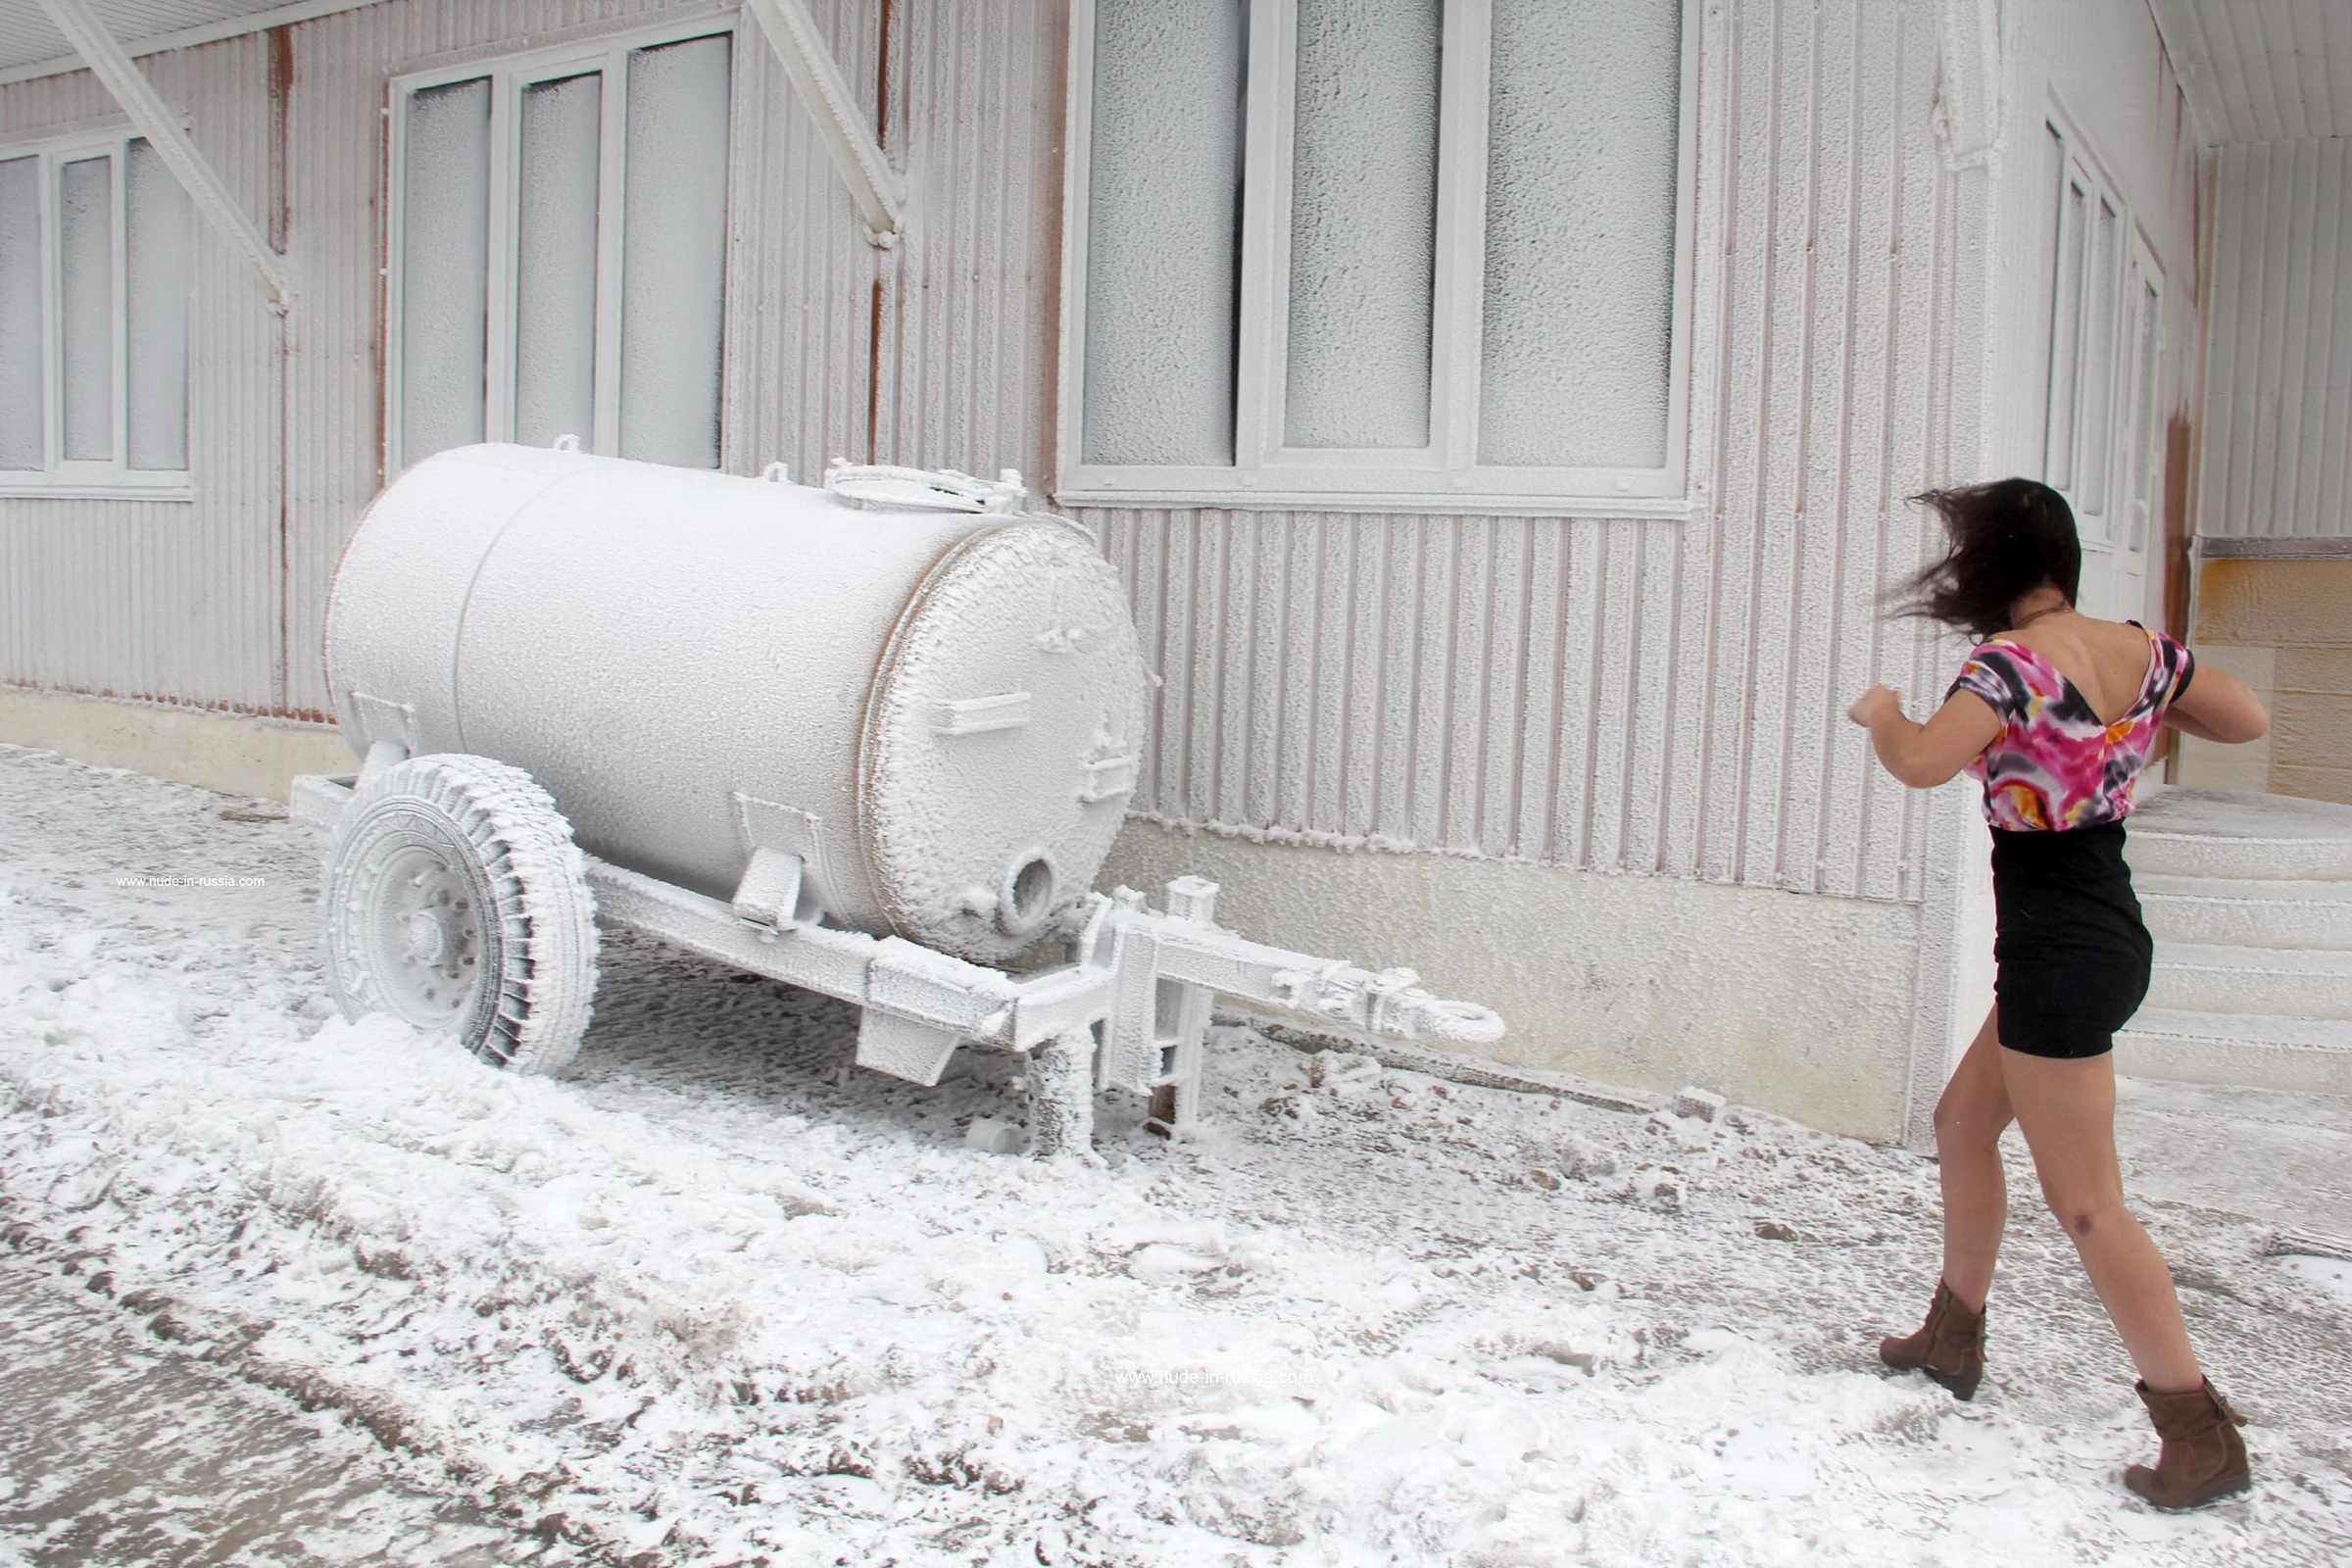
(1446, 475)
(60, 476)
(2139, 482)
(2077, 164)
(2136, 491)
(508, 74)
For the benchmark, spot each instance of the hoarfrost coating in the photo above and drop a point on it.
(707, 1300)
(939, 713)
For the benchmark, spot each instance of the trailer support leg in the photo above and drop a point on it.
(1061, 1095)
(1180, 1025)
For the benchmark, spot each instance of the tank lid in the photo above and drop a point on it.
(878, 484)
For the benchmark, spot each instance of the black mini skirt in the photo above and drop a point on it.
(2071, 953)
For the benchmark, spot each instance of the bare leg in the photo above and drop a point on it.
(1969, 1122)
(2066, 1109)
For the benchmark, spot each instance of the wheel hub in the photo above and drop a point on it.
(429, 937)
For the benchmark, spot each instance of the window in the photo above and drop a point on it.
(2102, 446)
(2077, 448)
(1430, 253)
(2141, 479)
(558, 250)
(94, 289)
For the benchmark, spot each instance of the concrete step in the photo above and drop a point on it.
(2307, 1056)
(2274, 982)
(2240, 834)
(2242, 913)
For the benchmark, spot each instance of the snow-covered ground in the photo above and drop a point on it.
(118, 1447)
(715, 1297)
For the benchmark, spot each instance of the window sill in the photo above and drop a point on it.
(1263, 497)
(178, 489)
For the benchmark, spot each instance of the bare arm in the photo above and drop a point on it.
(2218, 708)
(1924, 755)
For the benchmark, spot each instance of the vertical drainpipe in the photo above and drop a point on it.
(282, 92)
(1057, 120)
(882, 254)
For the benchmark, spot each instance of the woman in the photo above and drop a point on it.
(2057, 712)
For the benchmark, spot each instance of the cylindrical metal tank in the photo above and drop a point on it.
(940, 711)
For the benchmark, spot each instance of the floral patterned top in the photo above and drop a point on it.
(2055, 765)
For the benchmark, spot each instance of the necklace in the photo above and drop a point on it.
(2052, 610)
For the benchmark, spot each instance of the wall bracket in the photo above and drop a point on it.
(879, 190)
(139, 100)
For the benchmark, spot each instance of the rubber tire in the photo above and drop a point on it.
(535, 983)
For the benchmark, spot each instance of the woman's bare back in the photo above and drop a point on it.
(2106, 660)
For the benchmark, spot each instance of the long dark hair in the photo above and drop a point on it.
(2008, 538)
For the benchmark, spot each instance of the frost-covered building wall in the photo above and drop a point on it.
(1502, 420)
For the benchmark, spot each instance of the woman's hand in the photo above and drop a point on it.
(1875, 707)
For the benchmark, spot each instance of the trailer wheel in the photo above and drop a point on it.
(456, 899)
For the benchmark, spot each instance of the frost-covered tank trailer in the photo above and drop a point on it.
(873, 739)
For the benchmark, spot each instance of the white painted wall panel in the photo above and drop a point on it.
(2275, 460)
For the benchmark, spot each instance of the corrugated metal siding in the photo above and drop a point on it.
(966, 310)
(1612, 694)
(31, 46)
(2277, 455)
(2263, 70)
(172, 601)
(801, 271)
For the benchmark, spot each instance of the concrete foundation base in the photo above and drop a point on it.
(1792, 1003)
(235, 753)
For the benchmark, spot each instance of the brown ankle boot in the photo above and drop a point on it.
(1948, 1348)
(2202, 1458)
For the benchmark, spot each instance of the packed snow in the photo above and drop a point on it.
(717, 1297)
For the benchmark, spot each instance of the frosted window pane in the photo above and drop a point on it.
(2066, 336)
(20, 314)
(1163, 230)
(86, 227)
(1583, 120)
(1581, 142)
(555, 303)
(445, 268)
(674, 253)
(1363, 223)
(2098, 368)
(156, 222)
